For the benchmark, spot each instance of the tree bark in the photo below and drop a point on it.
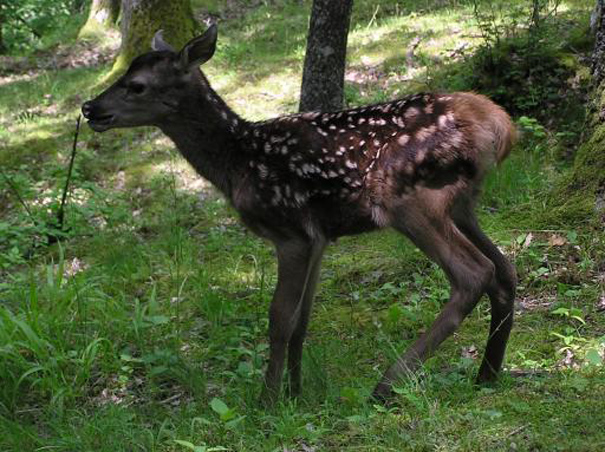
(580, 198)
(102, 14)
(598, 55)
(142, 18)
(323, 74)
(2, 45)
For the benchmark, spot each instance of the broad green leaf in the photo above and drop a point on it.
(186, 444)
(219, 407)
(593, 357)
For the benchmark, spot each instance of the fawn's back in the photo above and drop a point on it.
(340, 172)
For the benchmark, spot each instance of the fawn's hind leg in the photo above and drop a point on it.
(467, 268)
(501, 291)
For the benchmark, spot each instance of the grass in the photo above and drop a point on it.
(145, 329)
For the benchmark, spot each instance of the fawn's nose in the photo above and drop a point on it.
(86, 109)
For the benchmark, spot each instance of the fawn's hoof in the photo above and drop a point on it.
(268, 398)
(383, 393)
(485, 376)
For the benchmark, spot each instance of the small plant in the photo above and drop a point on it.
(190, 446)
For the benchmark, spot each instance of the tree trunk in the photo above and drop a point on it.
(142, 18)
(2, 45)
(102, 14)
(323, 74)
(581, 196)
(598, 55)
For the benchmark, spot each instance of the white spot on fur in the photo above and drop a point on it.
(442, 121)
(403, 140)
(420, 155)
(425, 132)
(299, 197)
(411, 113)
(398, 121)
(263, 171)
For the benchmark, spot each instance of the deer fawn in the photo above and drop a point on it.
(300, 181)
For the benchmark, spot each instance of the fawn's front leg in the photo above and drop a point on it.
(297, 264)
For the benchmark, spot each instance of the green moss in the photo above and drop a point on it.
(174, 18)
(103, 14)
(574, 200)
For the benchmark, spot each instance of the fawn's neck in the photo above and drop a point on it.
(209, 135)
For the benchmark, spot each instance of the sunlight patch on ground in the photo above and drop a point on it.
(185, 176)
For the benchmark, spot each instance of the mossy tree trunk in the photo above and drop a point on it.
(2, 45)
(598, 56)
(142, 18)
(581, 198)
(102, 15)
(323, 74)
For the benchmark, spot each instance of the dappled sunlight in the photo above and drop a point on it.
(184, 175)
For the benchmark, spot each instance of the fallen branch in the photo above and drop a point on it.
(61, 212)
(409, 54)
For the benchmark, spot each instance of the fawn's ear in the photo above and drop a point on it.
(200, 49)
(158, 43)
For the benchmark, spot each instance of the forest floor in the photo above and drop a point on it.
(144, 328)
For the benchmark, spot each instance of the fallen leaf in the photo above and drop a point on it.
(528, 240)
(470, 352)
(557, 240)
(601, 304)
(568, 361)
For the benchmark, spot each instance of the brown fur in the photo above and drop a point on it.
(493, 126)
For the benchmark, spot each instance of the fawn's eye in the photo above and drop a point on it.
(136, 88)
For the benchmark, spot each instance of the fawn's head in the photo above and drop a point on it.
(153, 87)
